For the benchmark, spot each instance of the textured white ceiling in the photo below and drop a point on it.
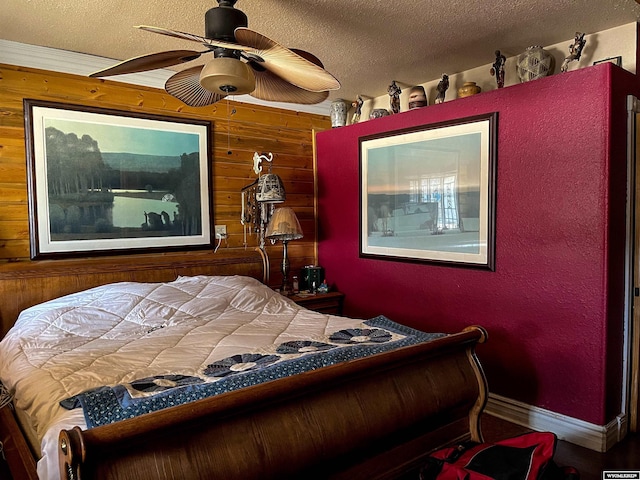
(364, 43)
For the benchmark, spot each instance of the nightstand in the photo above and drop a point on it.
(330, 302)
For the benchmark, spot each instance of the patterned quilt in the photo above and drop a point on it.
(107, 404)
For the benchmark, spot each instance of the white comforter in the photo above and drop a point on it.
(126, 331)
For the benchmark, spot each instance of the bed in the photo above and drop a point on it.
(159, 387)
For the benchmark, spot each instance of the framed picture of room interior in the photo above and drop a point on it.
(106, 182)
(427, 194)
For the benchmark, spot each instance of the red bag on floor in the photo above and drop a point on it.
(525, 457)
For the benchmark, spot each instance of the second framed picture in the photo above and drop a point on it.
(104, 182)
(427, 194)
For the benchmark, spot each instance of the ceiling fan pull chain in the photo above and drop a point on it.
(229, 128)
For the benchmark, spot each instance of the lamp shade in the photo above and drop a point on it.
(270, 189)
(284, 225)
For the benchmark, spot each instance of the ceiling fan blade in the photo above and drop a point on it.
(271, 87)
(194, 38)
(174, 33)
(286, 63)
(185, 86)
(308, 56)
(149, 62)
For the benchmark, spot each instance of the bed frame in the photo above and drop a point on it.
(375, 417)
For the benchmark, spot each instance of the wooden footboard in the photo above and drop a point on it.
(15, 450)
(375, 417)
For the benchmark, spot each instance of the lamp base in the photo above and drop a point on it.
(285, 289)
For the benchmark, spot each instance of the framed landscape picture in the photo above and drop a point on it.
(427, 194)
(104, 182)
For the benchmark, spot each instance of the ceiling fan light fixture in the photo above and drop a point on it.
(227, 76)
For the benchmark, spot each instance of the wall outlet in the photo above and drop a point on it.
(221, 231)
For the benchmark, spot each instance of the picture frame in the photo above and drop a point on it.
(615, 60)
(103, 181)
(428, 193)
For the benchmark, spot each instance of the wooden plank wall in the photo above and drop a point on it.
(239, 128)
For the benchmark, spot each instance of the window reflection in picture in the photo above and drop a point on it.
(427, 194)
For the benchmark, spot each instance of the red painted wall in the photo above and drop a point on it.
(554, 305)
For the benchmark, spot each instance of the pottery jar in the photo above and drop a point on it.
(417, 97)
(378, 113)
(468, 89)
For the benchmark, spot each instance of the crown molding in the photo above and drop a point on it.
(64, 61)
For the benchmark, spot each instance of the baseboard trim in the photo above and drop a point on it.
(594, 437)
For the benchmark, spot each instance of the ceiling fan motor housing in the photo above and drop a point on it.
(220, 22)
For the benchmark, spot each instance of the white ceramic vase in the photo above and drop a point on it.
(338, 113)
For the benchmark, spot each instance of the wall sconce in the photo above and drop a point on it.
(258, 203)
(259, 198)
(284, 226)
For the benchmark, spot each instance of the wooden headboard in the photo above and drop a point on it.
(23, 284)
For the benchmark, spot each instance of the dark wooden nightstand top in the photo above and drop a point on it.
(330, 302)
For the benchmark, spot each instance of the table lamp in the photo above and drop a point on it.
(284, 226)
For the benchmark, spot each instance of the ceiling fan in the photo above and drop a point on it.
(245, 62)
